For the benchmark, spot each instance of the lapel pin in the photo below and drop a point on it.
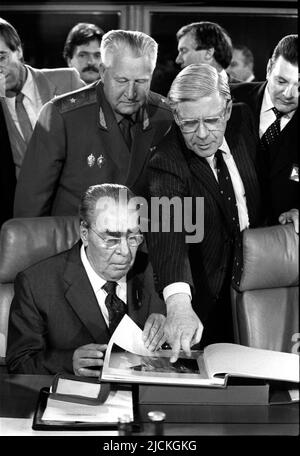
(91, 160)
(295, 173)
(100, 161)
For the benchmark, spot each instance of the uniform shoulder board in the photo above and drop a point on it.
(77, 99)
(158, 100)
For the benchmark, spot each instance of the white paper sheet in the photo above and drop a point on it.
(129, 337)
(118, 403)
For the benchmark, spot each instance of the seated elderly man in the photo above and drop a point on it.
(66, 307)
(208, 153)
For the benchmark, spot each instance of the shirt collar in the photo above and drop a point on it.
(97, 282)
(28, 87)
(224, 148)
(224, 74)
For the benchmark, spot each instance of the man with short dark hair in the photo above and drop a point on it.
(66, 307)
(274, 104)
(242, 64)
(82, 50)
(204, 42)
(105, 132)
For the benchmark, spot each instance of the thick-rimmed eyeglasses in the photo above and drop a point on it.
(191, 125)
(111, 242)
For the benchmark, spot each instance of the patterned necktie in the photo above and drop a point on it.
(115, 306)
(227, 191)
(125, 126)
(228, 196)
(273, 131)
(23, 118)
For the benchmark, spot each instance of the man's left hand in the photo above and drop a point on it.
(290, 216)
(153, 333)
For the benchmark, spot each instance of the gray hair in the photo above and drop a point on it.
(196, 81)
(92, 195)
(140, 44)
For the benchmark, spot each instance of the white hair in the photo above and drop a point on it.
(196, 81)
(138, 43)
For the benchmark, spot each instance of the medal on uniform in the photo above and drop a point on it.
(91, 160)
(294, 176)
(100, 161)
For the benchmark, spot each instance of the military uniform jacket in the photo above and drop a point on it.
(77, 143)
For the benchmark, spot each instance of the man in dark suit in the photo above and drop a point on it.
(242, 65)
(210, 153)
(274, 104)
(7, 173)
(105, 132)
(66, 307)
(204, 42)
(24, 90)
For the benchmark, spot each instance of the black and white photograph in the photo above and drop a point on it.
(149, 182)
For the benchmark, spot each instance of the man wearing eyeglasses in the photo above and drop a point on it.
(66, 307)
(208, 153)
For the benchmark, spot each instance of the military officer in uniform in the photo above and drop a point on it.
(105, 132)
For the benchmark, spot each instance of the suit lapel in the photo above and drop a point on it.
(278, 158)
(245, 166)
(45, 87)
(138, 297)
(11, 127)
(81, 297)
(200, 167)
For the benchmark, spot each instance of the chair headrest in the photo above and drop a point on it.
(270, 257)
(25, 241)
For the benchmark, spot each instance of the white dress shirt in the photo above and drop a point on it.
(239, 191)
(97, 283)
(267, 115)
(32, 102)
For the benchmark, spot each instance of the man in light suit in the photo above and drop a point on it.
(105, 132)
(278, 158)
(64, 309)
(82, 50)
(195, 277)
(35, 87)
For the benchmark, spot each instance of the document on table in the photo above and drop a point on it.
(118, 403)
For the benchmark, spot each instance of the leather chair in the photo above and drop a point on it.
(23, 242)
(265, 302)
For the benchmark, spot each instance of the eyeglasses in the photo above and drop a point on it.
(210, 123)
(134, 240)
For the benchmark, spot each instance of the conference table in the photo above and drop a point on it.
(19, 395)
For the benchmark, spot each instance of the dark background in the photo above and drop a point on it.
(257, 24)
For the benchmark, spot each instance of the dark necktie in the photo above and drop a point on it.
(228, 196)
(23, 118)
(125, 126)
(273, 131)
(115, 306)
(227, 192)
